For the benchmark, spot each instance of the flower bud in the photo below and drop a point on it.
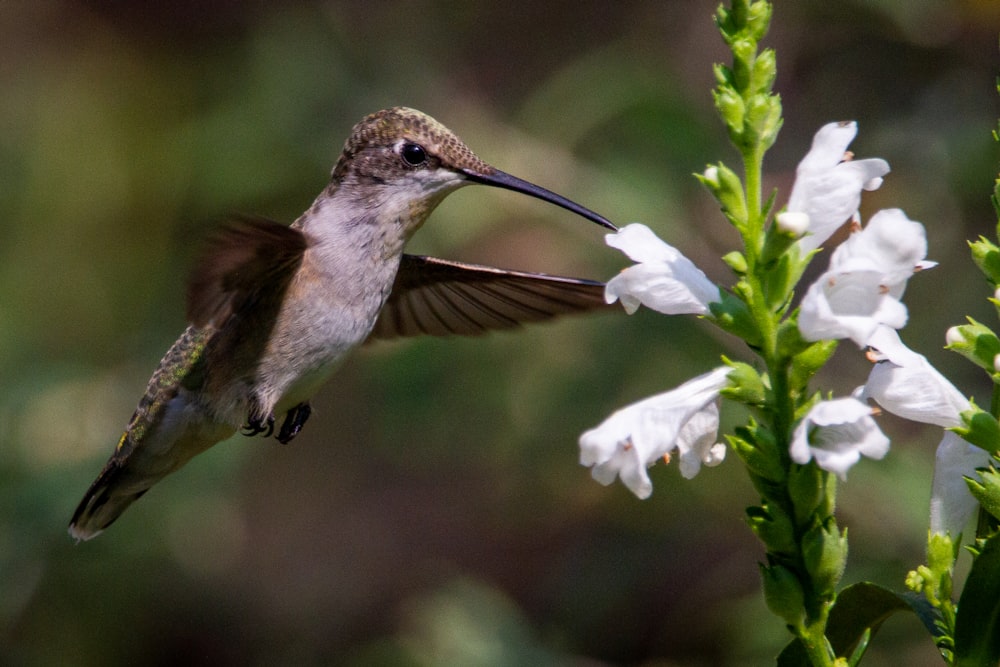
(986, 255)
(824, 551)
(976, 342)
(793, 223)
(727, 189)
(746, 385)
(774, 528)
(783, 593)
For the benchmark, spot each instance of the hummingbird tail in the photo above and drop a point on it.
(141, 459)
(103, 503)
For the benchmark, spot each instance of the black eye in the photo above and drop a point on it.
(413, 154)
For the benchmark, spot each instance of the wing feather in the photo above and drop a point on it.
(439, 297)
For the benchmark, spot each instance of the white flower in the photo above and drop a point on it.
(664, 279)
(890, 243)
(867, 276)
(827, 187)
(849, 304)
(952, 504)
(636, 436)
(906, 384)
(836, 433)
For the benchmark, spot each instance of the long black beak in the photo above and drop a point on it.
(504, 180)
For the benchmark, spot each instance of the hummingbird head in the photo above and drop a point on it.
(406, 161)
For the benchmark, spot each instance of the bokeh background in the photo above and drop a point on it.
(433, 511)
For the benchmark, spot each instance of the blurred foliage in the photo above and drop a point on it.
(433, 512)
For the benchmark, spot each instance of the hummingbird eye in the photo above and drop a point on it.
(412, 154)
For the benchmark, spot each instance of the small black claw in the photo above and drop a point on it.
(295, 419)
(256, 425)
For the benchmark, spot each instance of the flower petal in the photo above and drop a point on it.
(641, 244)
(637, 435)
(836, 434)
(952, 505)
(664, 280)
(827, 188)
(890, 242)
(907, 385)
(849, 304)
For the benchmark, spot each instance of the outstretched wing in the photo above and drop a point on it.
(440, 297)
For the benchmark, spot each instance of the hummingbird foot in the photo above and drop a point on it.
(256, 425)
(295, 419)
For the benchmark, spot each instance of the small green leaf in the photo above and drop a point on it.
(732, 315)
(824, 552)
(981, 429)
(858, 608)
(806, 363)
(746, 384)
(783, 593)
(774, 528)
(986, 490)
(986, 255)
(758, 449)
(977, 626)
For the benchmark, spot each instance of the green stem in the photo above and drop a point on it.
(812, 633)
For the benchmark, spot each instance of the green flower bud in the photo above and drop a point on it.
(727, 189)
(806, 363)
(774, 528)
(987, 490)
(758, 19)
(758, 449)
(807, 487)
(986, 255)
(976, 342)
(732, 315)
(980, 428)
(746, 385)
(731, 109)
(824, 551)
(736, 261)
(783, 594)
(765, 70)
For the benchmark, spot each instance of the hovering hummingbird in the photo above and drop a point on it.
(274, 309)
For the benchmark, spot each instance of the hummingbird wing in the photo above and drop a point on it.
(441, 297)
(246, 260)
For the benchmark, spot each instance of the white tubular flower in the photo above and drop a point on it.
(907, 385)
(664, 279)
(867, 276)
(827, 187)
(836, 433)
(952, 505)
(849, 304)
(891, 243)
(636, 436)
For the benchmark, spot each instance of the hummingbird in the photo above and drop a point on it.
(272, 309)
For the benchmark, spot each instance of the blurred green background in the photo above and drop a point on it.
(433, 511)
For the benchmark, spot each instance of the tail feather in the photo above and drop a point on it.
(102, 503)
(136, 466)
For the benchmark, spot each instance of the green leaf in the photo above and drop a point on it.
(986, 255)
(807, 362)
(731, 314)
(858, 608)
(745, 384)
(986, 490)
(977, 627)
(980, 428)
